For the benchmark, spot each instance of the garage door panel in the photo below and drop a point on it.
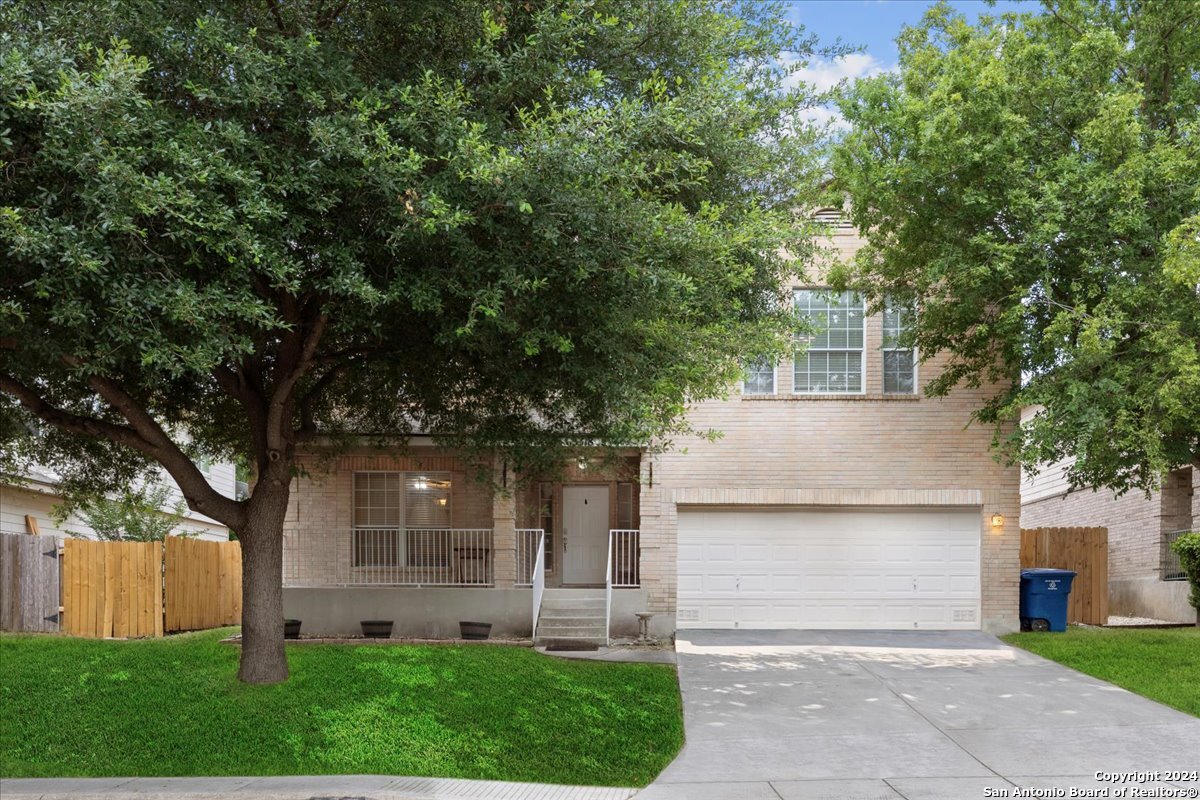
(829, 569)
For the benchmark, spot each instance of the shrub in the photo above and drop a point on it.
(1187, 546)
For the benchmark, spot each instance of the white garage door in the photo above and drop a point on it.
(860, 568)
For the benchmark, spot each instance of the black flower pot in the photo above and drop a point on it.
(291, 629)
(377, 628)
(475, 630)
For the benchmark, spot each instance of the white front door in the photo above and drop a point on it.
(853, 568)
(585, 533)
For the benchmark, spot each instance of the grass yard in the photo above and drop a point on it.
(1162, 664)
(75, 707)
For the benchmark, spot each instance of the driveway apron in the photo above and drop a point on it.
(868, 714)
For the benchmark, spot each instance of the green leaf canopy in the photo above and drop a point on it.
(524, 225)
(1033, 184)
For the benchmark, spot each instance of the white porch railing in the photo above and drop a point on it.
(539, 580)
(608, 587)
(389, 556)
(530, 547)
(625, 568)
(421, 557)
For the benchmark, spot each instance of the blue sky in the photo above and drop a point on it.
(876, 23)
(873, 25)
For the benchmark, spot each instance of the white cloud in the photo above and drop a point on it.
(825, 74)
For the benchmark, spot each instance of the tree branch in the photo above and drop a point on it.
(142, 434)
(293, 369)
(70, 422)
(195, 487)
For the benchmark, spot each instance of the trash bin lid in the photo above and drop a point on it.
(1047, 572)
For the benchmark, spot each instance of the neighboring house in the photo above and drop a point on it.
(30, 501)
(837, 497)
(1144, 576)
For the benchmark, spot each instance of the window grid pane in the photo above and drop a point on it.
(760, 378)
(833, 361)
(546, 491)
(376, 540)
(899, 363)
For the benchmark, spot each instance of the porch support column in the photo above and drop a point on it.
(504, 526)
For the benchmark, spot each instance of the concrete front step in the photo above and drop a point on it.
(572, 611)
(571, 631)
(573, 602)
(570, 620)
(572, 616)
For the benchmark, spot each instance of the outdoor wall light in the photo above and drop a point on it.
(997, 520)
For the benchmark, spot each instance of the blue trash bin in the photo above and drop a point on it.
(1044, 598)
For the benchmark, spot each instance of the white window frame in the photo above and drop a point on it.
(885, 349)
(400, 546)
(401, 529)
(862, 361)
(774, 384)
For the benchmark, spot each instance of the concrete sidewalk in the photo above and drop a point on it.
(324, 787)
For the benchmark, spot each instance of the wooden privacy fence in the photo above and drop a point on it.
(1084, 550)
(203, 584)
(29, 583)
(118, 589)
(112, 589)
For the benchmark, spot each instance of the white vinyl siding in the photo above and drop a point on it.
(832, 362)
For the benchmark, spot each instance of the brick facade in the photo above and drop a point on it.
(869, 450)
(872, 450)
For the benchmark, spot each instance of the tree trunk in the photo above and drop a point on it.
(263, 657)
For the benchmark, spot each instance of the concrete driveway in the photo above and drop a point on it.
(774, 715)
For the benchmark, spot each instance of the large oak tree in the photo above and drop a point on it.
(230, 228)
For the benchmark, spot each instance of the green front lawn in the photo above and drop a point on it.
(73, 707)
(1162, 664)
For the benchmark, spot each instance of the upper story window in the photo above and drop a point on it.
(760, 377)
(833, 361)
(899, 363)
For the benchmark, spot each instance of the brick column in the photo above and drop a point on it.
(657, 543)
(504, 526)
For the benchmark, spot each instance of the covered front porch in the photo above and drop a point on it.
(420, 540)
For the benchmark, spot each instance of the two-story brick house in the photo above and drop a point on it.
(838, 496)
